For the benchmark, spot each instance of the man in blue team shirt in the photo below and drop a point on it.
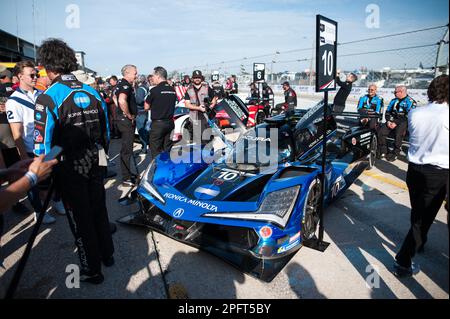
(72, 115)
(370, 104)
(396, 121)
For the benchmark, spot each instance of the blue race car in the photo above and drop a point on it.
(252, 213)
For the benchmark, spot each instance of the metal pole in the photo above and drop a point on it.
(23, 261)
(324, 157)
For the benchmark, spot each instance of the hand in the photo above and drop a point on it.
(42, 169)
(130, 117)
(364, 121)
(391, 125)
(201, 108)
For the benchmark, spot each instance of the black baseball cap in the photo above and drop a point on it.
(197, 74)
(286, 83)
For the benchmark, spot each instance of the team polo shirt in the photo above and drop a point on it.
(162, 99)
(126, 88)
(20, 109)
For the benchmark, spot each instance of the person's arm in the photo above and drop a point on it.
(15, 119)
(360, 103)
(214, 97)
(37, 171)
(148, 101)
(123, 104)
(380, 106)
(45, 120)
(17, 133)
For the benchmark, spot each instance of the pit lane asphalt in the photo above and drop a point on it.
(365, 228)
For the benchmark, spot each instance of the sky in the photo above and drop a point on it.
(185, 35)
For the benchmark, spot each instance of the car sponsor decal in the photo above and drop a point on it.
(285, 248)
(266, 232)
(196, 203)
(177, 213)
(206, 192)
(294, 238)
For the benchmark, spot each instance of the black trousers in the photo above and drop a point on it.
(85, 203)
(383, 133)
(159, 139)
(427, 190)
(126, 128)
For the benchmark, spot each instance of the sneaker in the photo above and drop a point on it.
(48, 219)
(59, 207)
(20, 208)
(401, 272)
(391, 157)
(95, 279)
(108, 262)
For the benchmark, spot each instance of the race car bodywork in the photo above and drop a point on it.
(249, 213)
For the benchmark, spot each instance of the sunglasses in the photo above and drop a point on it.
(37, 76)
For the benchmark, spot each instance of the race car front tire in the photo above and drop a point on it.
(310, 220)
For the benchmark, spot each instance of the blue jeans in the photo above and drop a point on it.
(141, 121)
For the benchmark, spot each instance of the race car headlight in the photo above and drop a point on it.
(147, 182)
(276, 208)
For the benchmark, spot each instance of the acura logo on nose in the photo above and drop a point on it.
(178, 212)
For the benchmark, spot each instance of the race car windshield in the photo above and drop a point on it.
(261, 147)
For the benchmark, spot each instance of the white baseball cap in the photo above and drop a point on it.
(83, 77)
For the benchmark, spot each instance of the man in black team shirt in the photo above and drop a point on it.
(161, 101)
(344, 92)
(126, 115)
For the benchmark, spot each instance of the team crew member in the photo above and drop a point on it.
(194, 98)
(396, 121)
(254, 91)
(161, 100)
(344, 91)
(74, 116)
(371, 104)
(427, 175)
(127, 112)
(268, 98)
(290, 99)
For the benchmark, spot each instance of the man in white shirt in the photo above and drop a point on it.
(427, 176)
(20, 111)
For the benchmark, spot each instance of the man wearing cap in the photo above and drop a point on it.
(6, 85)
(195, 97)
(290, 99)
